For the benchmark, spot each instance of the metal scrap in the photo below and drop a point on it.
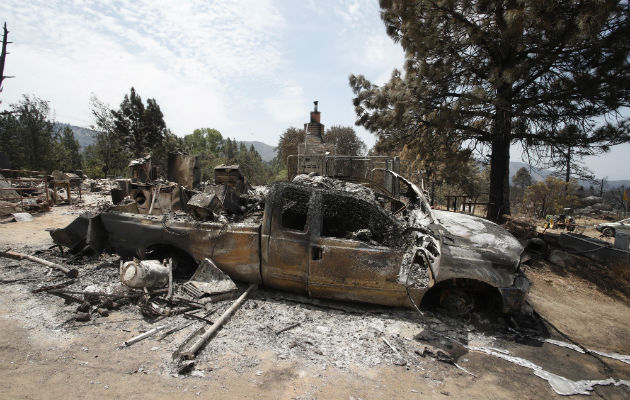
(209, 280)
(72, 273)
(191, 352)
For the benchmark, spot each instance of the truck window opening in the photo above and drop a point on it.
(294, 209)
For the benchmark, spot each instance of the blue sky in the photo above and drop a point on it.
(249, 68)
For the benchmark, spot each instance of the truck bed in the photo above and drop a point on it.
(234, 247)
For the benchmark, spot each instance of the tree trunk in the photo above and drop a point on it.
(567, 175)
(499, 196)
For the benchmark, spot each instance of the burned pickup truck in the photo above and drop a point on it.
(333, 239)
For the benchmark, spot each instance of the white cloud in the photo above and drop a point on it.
(185, 54)
(289, 105)
(355, 13)
(381, 55)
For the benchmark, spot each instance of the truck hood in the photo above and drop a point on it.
(475, 248)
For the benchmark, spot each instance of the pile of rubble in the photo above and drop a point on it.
(228, 198)
(25, 192)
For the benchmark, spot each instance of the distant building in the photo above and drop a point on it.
(317, 156)
(313, 150)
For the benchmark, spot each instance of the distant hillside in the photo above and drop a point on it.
(541, 174)
(267, 153)
(83, 135)
(85, 138)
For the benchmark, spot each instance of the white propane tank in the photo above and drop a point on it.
(144, 273)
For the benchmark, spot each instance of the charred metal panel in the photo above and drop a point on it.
(96, 236)
(184, 169)
(478, 249)
(232, 176)
(141, 169)
(233, 247)
(203, 205)
(514, 297)
(286, 257)
(462, 262)
(348, 167)
(74, 235)
(352, 270)
(169, 198)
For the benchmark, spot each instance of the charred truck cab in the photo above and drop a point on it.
(335, 245)
(330, 238)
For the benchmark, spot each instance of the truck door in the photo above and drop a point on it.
(351, 255)
(285, 239)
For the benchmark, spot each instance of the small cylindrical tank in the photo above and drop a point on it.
(144, 273)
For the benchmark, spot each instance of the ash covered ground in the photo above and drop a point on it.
(318, 333)
(330, 340)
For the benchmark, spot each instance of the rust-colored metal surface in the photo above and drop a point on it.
(286, 241)
(163, 198)
(184, 169)
(351, 270)
(233, 247)
(232, 176)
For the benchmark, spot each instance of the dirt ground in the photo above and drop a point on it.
(338, 351)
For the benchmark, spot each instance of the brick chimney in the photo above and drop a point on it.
(315, 114)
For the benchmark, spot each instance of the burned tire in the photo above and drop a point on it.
(462, 296)
(456, 301)
(609, 232)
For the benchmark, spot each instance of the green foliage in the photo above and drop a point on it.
(140, 129)
(522, 178)
(550, 196)
(288, 143)
(497, 72)
(213, 150)
(159, 153)
(207, 143)
(92, 164)
(278, 172)
(345, 140)
(230, 152)
(127, 133)
(26, 135)
(202, 141)
(107, 156)
(68, 155)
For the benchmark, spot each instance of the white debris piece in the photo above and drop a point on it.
(22, 217)
(559, 384)
(624, 358)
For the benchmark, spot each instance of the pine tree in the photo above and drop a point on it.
(26, 135)
(140, 129)
(107, 156)
(564, 156)
(497, 72)
(71, 150)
